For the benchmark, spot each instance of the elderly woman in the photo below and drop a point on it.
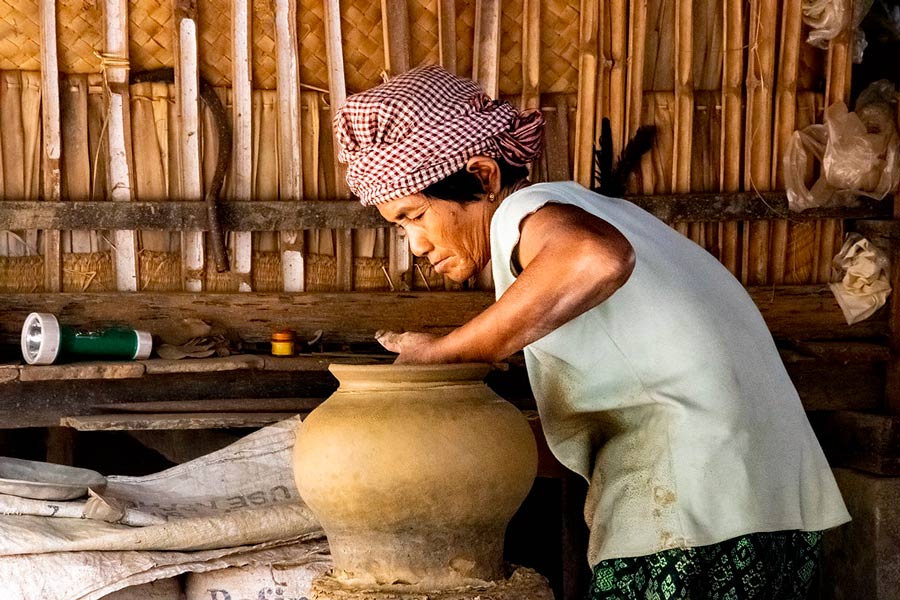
(655, 376)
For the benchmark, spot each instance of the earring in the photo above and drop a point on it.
(491, 197)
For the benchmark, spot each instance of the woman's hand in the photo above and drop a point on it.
(412, 347)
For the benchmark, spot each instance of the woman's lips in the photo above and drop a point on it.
(439, 265)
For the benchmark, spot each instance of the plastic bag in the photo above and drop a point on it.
(828, 18)
(864, 286)
(859, 152)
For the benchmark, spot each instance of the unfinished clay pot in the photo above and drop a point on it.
(414, 473)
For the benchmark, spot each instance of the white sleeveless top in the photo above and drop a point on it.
(670, 397)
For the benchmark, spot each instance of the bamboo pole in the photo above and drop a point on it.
(618, 22)
(785, 123)
(601, 106)
(637, 43)
(486, 51)
(76, 157)
(242, 151)
(395, 24)
(732, 125)
(118, 134)
(52, 140)
(531, 54)
(187, 85)
(447, 34)
(338, 92)
(290, 172)
(587, 89)
(684, 96)
(758, 150)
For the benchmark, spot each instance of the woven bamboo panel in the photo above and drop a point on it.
(88, 272)
(510, 75)
(363, 42)
(78, 29)
(19, 35)
(559, 46)
(423, 32)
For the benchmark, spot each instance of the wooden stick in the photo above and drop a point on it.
(587, 89)
(338, 92)
(604, 64)
(447, 34)
(52, 140)
(118, 134)
(531, 54)
(684, 96)
(242, 119)
(289, 136)
(486, 53)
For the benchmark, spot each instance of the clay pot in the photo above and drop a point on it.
(414, 473)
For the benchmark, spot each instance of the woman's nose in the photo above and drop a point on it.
(418, 241)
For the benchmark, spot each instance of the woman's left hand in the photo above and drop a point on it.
(412, 347)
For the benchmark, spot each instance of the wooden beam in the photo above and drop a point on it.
(128, 422)
(793, 312)
(52, 141)
(311, 214)
(242, 119)
(118, 134)
(446, 10)
(187, 102)
(864, 441)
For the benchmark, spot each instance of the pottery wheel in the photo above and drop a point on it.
(523, 584)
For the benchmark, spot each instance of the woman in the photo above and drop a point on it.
(655, 376)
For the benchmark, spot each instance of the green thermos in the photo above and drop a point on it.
(44, 339)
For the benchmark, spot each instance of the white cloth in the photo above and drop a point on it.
(670, 397)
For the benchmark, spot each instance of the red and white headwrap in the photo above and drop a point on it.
(422, 126)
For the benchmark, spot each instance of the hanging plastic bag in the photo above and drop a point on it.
(859, 153)
(828, 18)
(864, 286)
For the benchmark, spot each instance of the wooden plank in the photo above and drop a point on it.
(684, 96)
(76, 160)
(637, 42)
(731, 142)
(52, 141)
(864, 441)
(118, 135)
(486, 51)
(187, 102)
(232, 405)
(793, 312)
(242, 126)
(618, 86)
(128, 422)
(85, 370)
(395, 27)
(311, 214)
(290, 171)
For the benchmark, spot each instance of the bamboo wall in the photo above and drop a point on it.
(725, 82)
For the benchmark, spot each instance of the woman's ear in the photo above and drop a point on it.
(487, 171)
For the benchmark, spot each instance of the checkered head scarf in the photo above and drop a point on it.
(417, 128)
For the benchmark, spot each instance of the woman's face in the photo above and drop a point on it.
(453, 236)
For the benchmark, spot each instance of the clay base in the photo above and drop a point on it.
(523, 584)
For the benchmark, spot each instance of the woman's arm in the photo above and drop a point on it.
(571, 262)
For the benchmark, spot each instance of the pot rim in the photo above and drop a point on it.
(400, 374)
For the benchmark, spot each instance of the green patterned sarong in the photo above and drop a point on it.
(761, 566)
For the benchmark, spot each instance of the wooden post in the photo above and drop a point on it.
(187, 85)
(486, 53)
(395, 24)
(447, 34)
(118, 134)
(52, 141)
(338, 91)
(587, 89)
(290, 172)
(242, 118)
(531, 54)
(731, 142)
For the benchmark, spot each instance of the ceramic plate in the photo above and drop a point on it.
(46, 481)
